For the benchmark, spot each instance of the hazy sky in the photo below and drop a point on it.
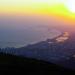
(35, 6)
(35, 20)
(55, 8)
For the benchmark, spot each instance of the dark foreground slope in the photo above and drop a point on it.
(69, 63)
(10, 63)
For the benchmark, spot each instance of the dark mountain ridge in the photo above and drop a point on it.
(19, 64)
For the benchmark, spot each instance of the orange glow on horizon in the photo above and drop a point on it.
(59, 9)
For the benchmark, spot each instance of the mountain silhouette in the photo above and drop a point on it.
(18, 64)
(68, 63)
(50, 50)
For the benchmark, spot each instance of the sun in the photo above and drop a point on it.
(70, 4)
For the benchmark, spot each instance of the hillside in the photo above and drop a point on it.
(20, 64)
(49, 50)
(69, 63)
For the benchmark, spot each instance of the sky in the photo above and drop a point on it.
(27, 6)
(34, 6)
(19, 19)
(63, 9)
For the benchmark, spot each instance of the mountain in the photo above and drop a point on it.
(68, 63)
(53, 50)
(12, 63)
